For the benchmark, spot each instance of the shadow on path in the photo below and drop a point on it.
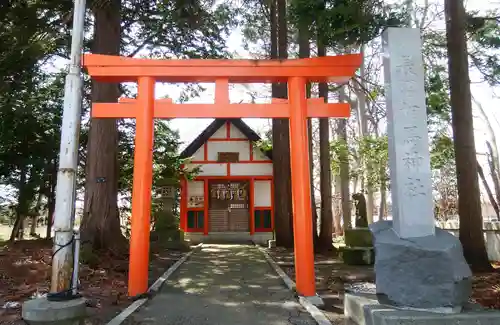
(224, 284)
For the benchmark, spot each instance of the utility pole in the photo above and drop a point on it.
(64, 214)
(65, 309)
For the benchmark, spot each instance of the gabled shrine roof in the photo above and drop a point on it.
(203, 137)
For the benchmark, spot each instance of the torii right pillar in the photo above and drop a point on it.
(301, 190)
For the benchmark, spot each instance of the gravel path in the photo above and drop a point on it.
(224, 284)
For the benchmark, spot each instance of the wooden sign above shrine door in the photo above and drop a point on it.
(228, 157)
(228, 206)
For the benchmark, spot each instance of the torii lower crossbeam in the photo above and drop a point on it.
(164, 108)
(145, 109)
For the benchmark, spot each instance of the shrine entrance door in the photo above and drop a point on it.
(228, 206)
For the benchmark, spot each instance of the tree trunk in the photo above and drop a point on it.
(493, 151)
(305, 52)
(314, 210)
(344, 168)
(281, 137)
(337, 197)
(101, 225)
(382, 211)
(51, 198)
(34, 223)
(493, 156)
(469, 204)
(35, 213)
(17, 230)
(363, 132)
(488, 190)
(383, 203)
(326, 224)
(337, 216)
(50, 214)
(21, 208)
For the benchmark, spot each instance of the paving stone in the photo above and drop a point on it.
(224, 284)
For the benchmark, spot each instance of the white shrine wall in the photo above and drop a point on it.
(199, 155)
(195, 194)
(491, 231)
(252, 163)
(259, 155)
(262, 193)
(221, 133)
(208, 169)
(195, 188)
(234, 169)
(241, 147)
(244, 169)
(235, 133)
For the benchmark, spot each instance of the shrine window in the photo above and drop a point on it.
(228, 157)
(262, 218)
(195, 220)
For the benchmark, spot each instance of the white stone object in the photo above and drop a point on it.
(409, 159)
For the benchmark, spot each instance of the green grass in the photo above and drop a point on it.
(6, 230)
(338, 245)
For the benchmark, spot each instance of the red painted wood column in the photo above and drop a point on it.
(251, 203)
(301, 188)
(141, 189)
(206, 196)
(183, 203)
(228, 129)
(272, 204)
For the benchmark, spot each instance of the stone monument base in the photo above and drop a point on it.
(358, 249)
(364, 309)
(358, 237)
(357, 255)
(41, 311)
(421, 273)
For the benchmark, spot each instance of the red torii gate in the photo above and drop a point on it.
(296, 72)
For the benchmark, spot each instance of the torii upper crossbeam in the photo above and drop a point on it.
(296, 72)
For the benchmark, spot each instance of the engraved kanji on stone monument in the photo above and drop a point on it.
(409, 157)
(421, 275)
(416, 265)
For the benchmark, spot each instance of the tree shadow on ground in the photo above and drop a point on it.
(224, 284)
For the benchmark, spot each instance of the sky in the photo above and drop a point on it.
(483, 94)
(190, 128)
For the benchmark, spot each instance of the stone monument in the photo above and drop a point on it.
(358, 249)
(361, 213)
(421, 274)
(166, 230)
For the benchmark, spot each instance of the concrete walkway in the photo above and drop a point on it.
(223, 285)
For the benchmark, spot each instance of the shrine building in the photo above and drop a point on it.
(231, 197)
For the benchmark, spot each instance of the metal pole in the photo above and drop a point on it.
(76, 264)
(62, 261)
